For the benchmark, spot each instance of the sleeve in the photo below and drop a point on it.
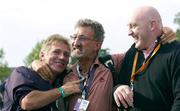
(20, 93)
(176, 83)
(125, 71)
(118, 60)
(19, 85)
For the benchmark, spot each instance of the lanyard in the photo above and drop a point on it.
(144, 66)
(87, 83)
(80, 76)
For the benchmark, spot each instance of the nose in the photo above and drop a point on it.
(130, 32)
(76, 42)
(63, 57)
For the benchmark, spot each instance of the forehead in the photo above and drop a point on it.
(136, 20)
(86, 30)
(138, 15)
(60, 46)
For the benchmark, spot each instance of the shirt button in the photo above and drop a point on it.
(101, 79)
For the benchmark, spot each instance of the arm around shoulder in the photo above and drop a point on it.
(38, 99)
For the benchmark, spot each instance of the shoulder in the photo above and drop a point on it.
(22, 75)
(23, 71)
(119, 56)
(172, 48)
(118, 59)
(170, 52)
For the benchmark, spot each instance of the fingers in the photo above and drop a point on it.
(72, 87)
(120, 100)
(171, 40)
(34, 65)
(116, 98)
(168, 35)
(74, 82)
(46, 69)
(167, 30)
(123, 96)
(168, 38)
(40, 66)
(128, 96)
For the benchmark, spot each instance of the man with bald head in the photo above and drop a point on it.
(149, 79)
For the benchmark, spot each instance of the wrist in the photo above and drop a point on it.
(61, 90)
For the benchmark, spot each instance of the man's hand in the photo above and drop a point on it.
(72, 87)
(123, 95)
(42, 69)
(168, 35)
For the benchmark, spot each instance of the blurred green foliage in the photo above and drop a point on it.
(4, 69)
(177, 21)
(34, 54)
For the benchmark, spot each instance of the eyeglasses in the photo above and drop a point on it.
(81, 38)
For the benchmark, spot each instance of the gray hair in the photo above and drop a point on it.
(95, 26)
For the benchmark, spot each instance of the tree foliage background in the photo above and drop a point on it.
(177, 21)
(4, 69)
(34, 54)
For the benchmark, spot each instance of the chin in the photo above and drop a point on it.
(59, 71)
(138, 46)
(77, 55)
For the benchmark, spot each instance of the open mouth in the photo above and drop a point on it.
(60, 63)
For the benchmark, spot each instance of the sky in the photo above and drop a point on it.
(25, 22)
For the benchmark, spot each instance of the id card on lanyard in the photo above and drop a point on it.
(82, 103)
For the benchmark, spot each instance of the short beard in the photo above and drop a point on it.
(77, 56)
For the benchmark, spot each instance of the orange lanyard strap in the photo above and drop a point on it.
(144, 66)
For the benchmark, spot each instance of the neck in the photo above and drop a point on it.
(85, 64)
(147, 51)
(153, 42)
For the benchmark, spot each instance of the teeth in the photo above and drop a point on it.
(60, 62)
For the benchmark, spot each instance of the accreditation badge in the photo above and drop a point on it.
(81, 105)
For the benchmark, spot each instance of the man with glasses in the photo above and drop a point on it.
(97, 87)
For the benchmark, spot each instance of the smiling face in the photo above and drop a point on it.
(57, 57)
(139, 29)
(144, 26)
(55, 52)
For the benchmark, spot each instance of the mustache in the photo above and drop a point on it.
(77, 47)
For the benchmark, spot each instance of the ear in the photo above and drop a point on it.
(98, 45)
(41, 55)
(153, 25)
